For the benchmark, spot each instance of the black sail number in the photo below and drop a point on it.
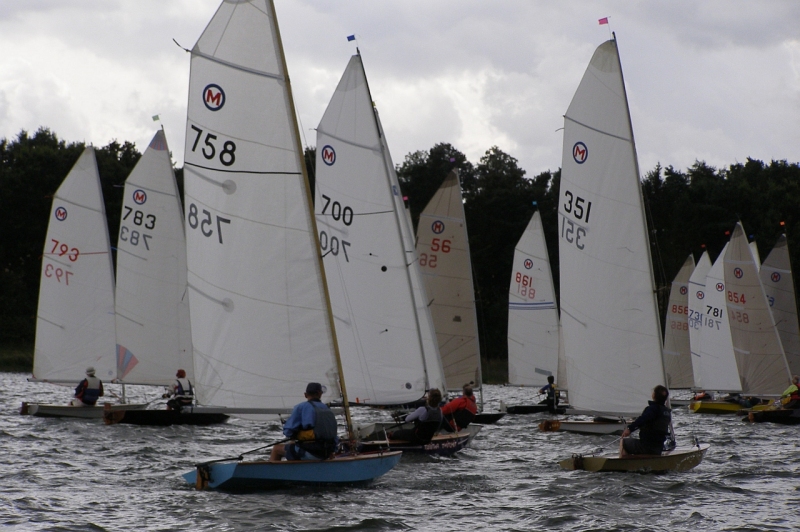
(572, 233)
(227, 155)
(577, 206)
(337, 211)
(205, 221)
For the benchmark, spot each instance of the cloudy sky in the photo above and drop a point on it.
(717, 81)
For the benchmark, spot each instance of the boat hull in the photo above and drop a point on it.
(256, 475)
(584, 427)
(84, 412)
(781, 416)
(532, 409)
(440, 445)
(164, 418)
(679, 459)
(488, 418)
(714, 407)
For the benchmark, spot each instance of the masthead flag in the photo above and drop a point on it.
(603, 20)
(351, 38)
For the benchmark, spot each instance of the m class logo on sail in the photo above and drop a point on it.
(213, 97)
(139, 197)
(580, 152)
(328, 155)
(61, 214)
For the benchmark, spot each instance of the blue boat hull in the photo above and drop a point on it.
(272, 475)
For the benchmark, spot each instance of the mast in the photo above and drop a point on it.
(310, 209)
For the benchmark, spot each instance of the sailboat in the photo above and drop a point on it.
(609, 316)
(75, 317)
(713, 360)
(152, 306)
(444, 259)
(533, 328)
(777, 278)
(763, 368)
(677, 352)
(260, 313)
(360, 221)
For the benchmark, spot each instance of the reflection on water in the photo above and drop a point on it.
(75, 474)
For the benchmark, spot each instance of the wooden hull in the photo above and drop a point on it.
(782, 416)
(441, 444)
(532, 409)
(488, 418)
(714, 407)
(164, 418)
(584, 427)
(680, 459)
(84, 412)
(257, 475)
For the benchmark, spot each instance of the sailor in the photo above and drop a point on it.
(551, 400)
(88, 390)
(312, 426)
(791, 395)
(654, 424)
(181, 391)
(427, 421)
(460, 412)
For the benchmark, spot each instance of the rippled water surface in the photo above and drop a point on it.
(70, 474)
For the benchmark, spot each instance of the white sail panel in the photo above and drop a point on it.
(677, 354)
(697, 293)
(444, 259)
(363, 251)
(715, 362)
(778, 281)
(759, 352)
(532, 312)
(75, 318)
(756, 256)
(611, 332)
(260, 323)
(152, 306)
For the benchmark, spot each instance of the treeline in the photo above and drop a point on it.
(687, 212)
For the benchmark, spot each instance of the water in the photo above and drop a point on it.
(71, 475)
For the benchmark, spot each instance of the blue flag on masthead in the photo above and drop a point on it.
(351, 38)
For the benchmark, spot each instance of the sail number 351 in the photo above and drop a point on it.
(580, 209)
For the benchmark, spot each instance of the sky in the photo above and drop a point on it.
(715, 81)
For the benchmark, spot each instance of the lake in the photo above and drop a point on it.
(75, 475)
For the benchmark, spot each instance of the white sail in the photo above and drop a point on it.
(444, 259)
(697, 293)
(363, 251)
(532, 313)
(714, 362)
(759, 352)
(152, 306)
(75, 318)
(776, 276)
(259, 315)
(756, 256)
(677, 353)
(611, 331)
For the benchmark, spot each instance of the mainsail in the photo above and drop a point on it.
(152, 306)
(532, 313)
(714, 362)
(444, 259)
(611, 331)
(759, 352)
(259, 313)
(75, 317)
(677, 354)
(776, 276)
(363, 247)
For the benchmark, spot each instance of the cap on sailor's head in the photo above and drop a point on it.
(314, 388)
(90, 371)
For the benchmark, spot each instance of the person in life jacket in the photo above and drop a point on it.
(181, 391)
(653, 426)
(427, 421)
(88, 390)
(312, 426)
(790, 398)
(551, 400)
(460, 412)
